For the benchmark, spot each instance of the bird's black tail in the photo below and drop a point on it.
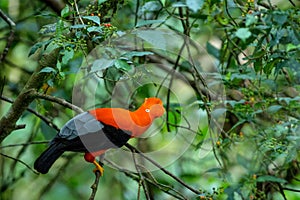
(48, 157)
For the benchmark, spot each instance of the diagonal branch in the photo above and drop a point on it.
(43, 118)
(18, 160)
(11, 36)
(162, 169)
(60, 101)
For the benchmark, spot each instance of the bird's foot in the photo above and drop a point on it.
(98, 168)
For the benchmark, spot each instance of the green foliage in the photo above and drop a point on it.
(256, 47)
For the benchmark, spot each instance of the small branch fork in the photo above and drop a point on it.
(130, 147)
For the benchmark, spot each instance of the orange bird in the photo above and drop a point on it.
(95, 131)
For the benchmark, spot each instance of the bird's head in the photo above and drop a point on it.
(154, 107)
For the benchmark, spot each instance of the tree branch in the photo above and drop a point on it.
(130, 147)
(95, 185)
(11, 36)
(43, 118)
(18, 160)
(60, 101)
(24, 144)
(165, 188)
(26, 96)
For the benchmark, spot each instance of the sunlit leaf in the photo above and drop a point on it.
(94, 29)
(101, 1)
(194, 5)
(243, 33)
(155, 38)
(150, 6)
(268, 178)
(122, 64)
(59, 27)
(250, 19)
(274, 108)
(67, 55)
(95, 19)
(48, 70)
(131, 54)
(212, 50)
(65, 12)
(101, 64)
(78, 26)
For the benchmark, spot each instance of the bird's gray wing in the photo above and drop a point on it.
(80, 125)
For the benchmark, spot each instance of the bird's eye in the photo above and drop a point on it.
(147, 110)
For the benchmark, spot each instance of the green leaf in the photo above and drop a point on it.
(78, 26)
(34, 48)
(250, 19)
(59, 27)
(58, 65)
(269, 66)
(48, 29)
(258, 65)
(38, 45)
(101, 64)
(101, 2)
(148, 22)
(50, 82)
(150, 7)
(95, 19)
(48, 70)
(65, 12)
(212, 50)
(178, 5)
(67, 55)
(243, 33)
(280, 17)
(268, 178)
(194, 5)
(94, 29)
(122, 64)
(131, 54)
(153, 37)
(274, 108)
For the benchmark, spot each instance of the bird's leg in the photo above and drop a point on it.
(98, 167)
(90, 157)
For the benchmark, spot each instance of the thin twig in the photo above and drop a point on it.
(43, 118)
(291, 189)
(142, 178)
(57, 175)
(95, 185)
(24, 144)
(292, 3)
(171, 82)
(11, 36)
(164, 170)
(78, 13)
(228, 13)
(165, 188)
(60, 101)
(18, 160)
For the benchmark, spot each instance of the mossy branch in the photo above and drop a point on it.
(8, 122)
